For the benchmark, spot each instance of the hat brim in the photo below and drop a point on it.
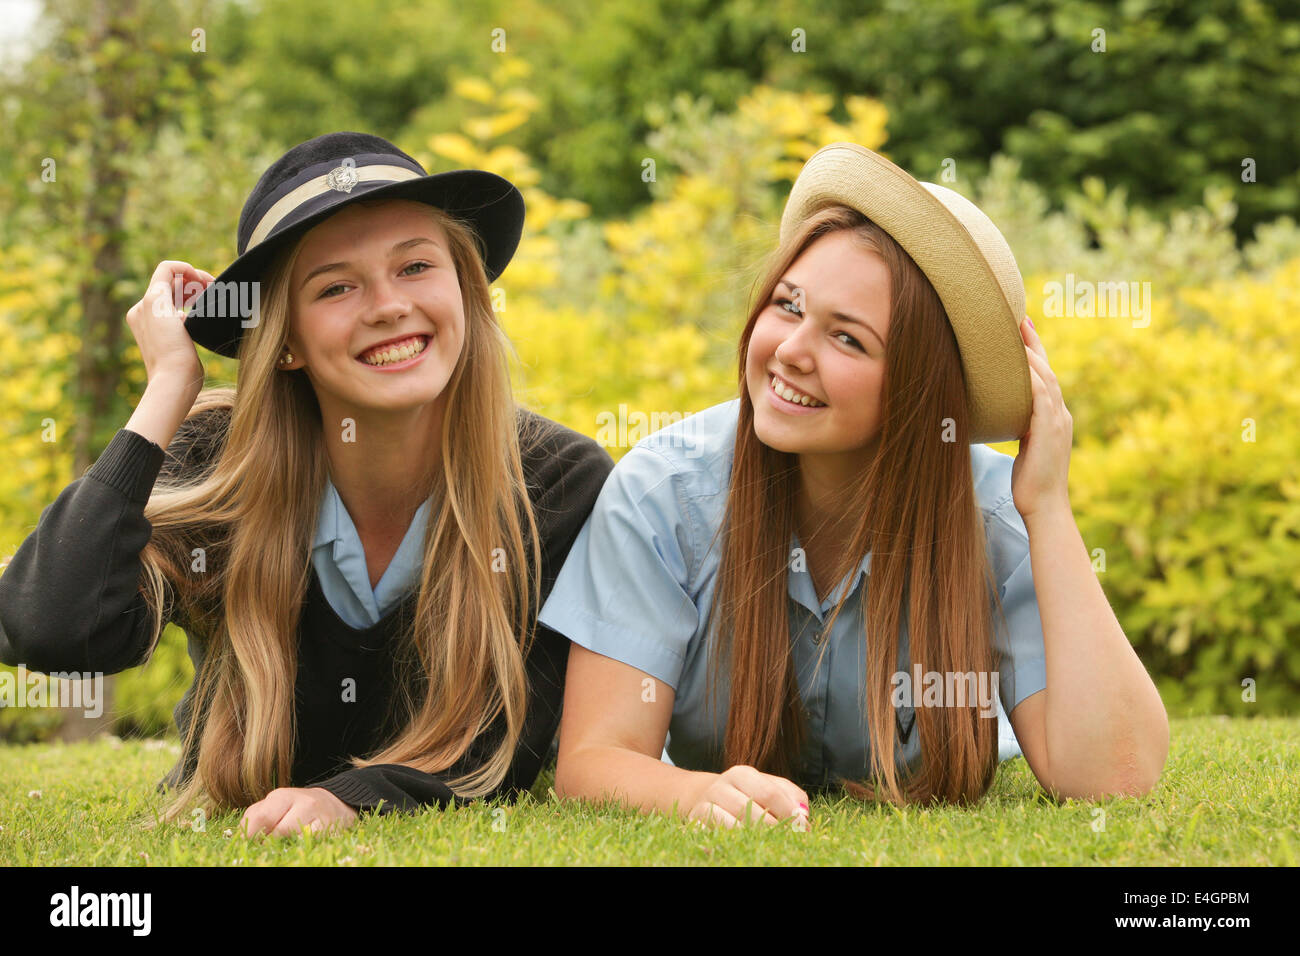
(491, 205)
(961, 252)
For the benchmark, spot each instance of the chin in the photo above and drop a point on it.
(789, 448)
(398, 400)
(787, 440)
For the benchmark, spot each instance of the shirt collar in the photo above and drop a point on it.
(800, 582)
(333, 520)
(328, 525)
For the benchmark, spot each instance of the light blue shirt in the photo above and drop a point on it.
(340, 562)
(639, 583)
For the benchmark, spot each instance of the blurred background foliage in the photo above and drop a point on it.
(655, 142)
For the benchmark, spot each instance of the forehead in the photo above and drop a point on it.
(368, 228)
(838, 273)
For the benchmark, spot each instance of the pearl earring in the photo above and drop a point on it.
(286, 358)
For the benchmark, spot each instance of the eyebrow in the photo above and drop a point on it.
(842, 317)
(343, 265)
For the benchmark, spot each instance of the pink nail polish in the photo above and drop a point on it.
(1031, 325)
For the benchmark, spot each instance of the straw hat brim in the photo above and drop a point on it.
(961, 252)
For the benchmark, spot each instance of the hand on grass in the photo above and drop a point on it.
(287, 810)
(744, 794)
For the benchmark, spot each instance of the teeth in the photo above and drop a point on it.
(790, 395)
(390, 355)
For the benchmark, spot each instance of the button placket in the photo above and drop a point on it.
(820, 637)
(813, 679)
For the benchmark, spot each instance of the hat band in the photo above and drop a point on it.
(316, 187)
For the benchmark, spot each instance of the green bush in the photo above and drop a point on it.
(1184, 476)
(1184, 92)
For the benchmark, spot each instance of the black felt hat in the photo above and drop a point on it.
(313, 181)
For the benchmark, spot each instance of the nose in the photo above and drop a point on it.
(389, 301)
(795, 351)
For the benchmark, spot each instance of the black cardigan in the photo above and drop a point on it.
(70, 601)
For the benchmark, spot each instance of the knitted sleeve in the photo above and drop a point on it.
(70, 598)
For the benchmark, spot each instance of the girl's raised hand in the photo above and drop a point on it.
(158, 323)
(1040, 475)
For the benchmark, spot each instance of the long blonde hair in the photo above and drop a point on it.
(460, 671)
(915, 512)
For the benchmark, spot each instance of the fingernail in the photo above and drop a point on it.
(804, 807)
(1031, 324)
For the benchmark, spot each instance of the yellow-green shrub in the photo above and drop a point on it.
(1184, 473)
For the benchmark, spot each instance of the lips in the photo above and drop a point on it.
(390, 343)
(817, 402)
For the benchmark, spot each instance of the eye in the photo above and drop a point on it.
(849, 340)
(427, 265)
(787, 305)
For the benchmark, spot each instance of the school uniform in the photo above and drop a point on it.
(639, 583)
(70, 601)
(339, 559)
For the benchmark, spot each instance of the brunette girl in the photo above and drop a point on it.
(770, 584)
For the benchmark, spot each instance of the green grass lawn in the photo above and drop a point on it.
(1229, 796)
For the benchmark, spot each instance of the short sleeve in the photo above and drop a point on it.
(1019, 639)
(624, 590)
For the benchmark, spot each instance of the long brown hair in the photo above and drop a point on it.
(914, 511)
(459, 667)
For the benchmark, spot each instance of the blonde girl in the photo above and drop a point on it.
(357, 538)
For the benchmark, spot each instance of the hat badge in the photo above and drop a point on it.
(344, 176)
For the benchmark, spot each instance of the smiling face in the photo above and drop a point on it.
(369, 274)
(822, 334)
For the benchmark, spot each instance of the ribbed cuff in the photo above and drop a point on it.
(130, 464)
(354, 791)
(389, 788)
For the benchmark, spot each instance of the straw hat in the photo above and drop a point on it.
(965, 258)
